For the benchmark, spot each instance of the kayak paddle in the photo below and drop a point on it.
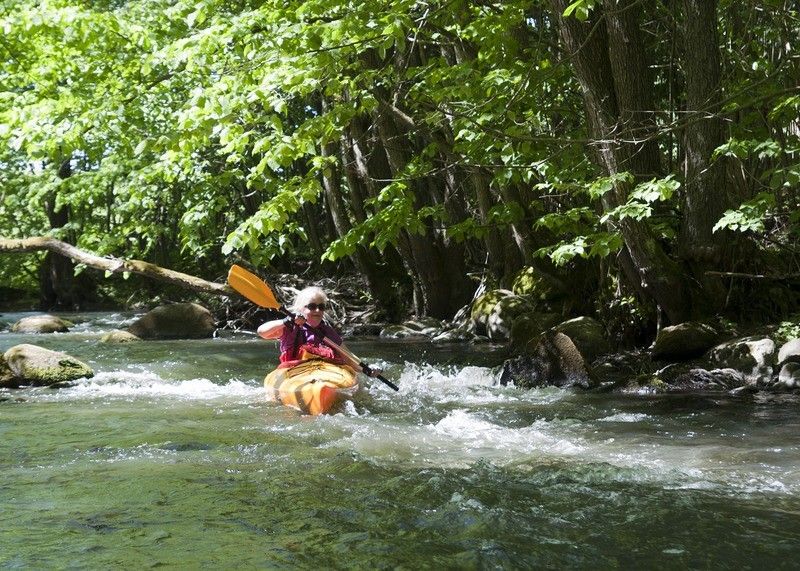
(256, 290)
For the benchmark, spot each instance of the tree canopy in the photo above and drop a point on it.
(643, 151)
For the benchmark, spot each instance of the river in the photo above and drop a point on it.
(173, 456)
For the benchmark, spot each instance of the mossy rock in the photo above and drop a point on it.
(119, 336)
(174, 321)
(483, 306)
(528, 327)
(684, 341)
(503, 315)
(7, 377)
(34, 365)
(531, 283)
(41, 324)
(588, 335)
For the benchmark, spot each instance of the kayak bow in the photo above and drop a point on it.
(312, 386)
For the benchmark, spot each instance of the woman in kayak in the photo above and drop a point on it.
(306, 330)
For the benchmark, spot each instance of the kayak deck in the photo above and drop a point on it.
(312, 386)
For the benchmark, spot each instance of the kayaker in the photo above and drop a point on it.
(306, 329)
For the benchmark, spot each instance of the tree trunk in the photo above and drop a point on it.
(589, 46)
(57, 273)
(705, 197)
(381, 288)
(113, 265)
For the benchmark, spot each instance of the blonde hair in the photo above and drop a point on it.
(305, 296)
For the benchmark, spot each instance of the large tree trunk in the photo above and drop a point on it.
(385, 294)
(705, 197)
(614, 108)
(441, 284)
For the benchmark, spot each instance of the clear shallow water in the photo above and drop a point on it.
(171, 455)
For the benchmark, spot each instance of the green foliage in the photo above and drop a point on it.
(198, 131)
(580, 9)
(640, 200)
(595, 245)
(788, 329)
(749, 216)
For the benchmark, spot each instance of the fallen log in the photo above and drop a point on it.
(114, 265)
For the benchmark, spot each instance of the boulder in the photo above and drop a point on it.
(789, 377)
(483, 308)
(684, 341)
(498, 326)
(537, 286)
(174, 321)
(753, 356)
(529, 326)
(119, 336)
(555, 361)
(33, 365)
(789, 352)
(708, 380)
(588, 335)
(41, 324)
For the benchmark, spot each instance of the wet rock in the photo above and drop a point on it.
(555, 361)
(174, 321)
(705, 380)
(789, 352)
(789, 377)
(684, 341)
(41, 324)
(33, 365)
(588, 335)
(529, 326)
(753, 356)
(119, 336)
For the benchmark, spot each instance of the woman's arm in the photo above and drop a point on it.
(271, 329)
(274, 329)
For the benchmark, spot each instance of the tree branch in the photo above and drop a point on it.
(113, 265)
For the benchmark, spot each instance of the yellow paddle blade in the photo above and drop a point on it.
(252, 287)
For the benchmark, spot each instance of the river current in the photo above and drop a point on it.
(172, 455)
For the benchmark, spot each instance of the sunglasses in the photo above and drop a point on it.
(313, 306)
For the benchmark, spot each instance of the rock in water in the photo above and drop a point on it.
(41, 324)
(33, 365)
(175, 321)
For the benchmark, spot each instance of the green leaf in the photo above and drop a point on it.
(749, 216)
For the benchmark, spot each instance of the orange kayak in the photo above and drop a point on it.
(312, 386)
